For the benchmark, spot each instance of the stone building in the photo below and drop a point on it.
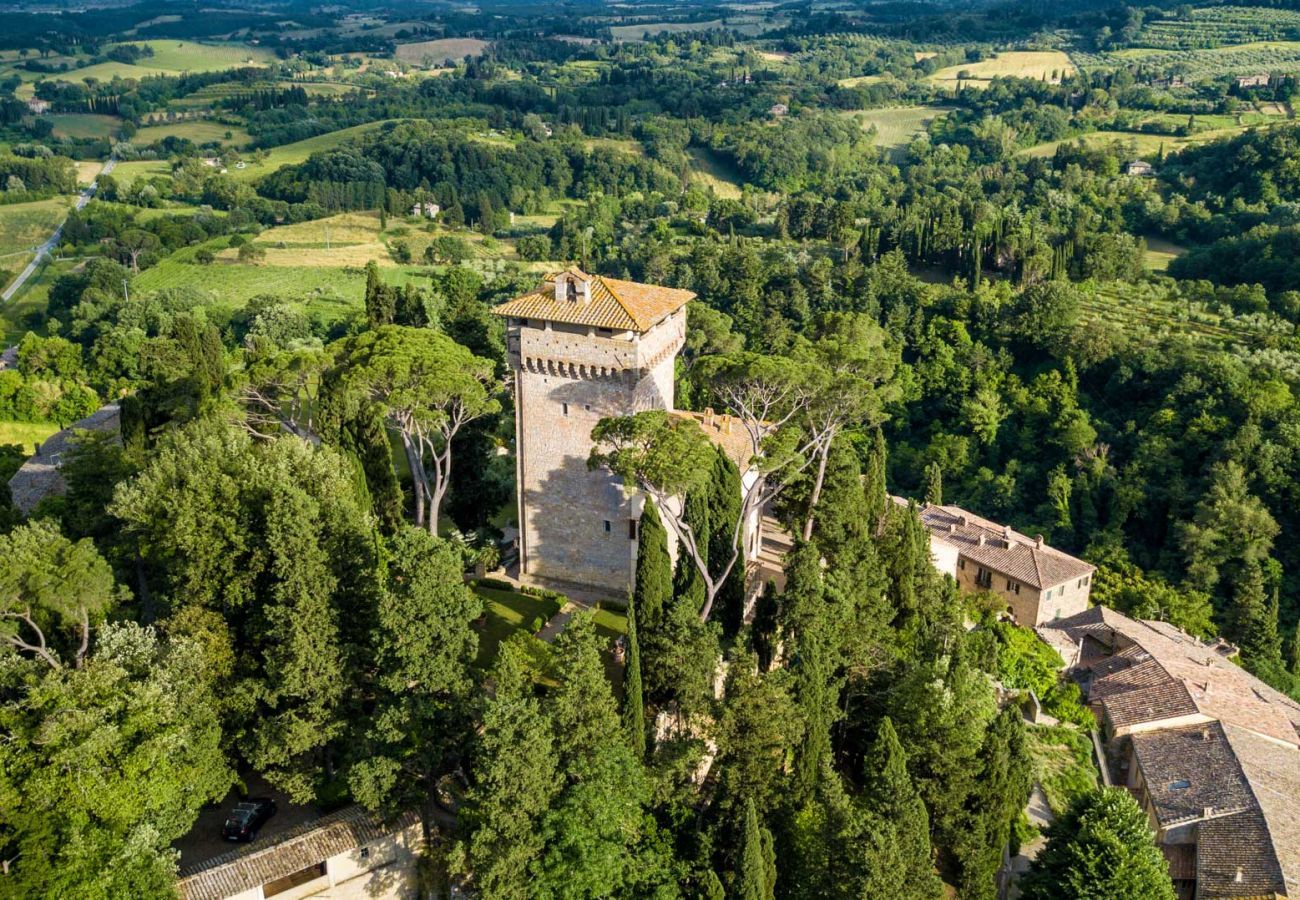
(1210, 752)
(1038, 582)
(583, 347)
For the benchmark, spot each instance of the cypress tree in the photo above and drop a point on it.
(653, 583)
(724, 509)
(891, 795)
(873, 483)
(934, 484)
(754, 881)
(633, 702)
(688, 584)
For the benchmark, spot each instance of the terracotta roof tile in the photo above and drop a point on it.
(1273, 771)
(1002, 549)
(305, 845)
(726, 432)
(1234, 859)
(615, 304)
(1191, 772)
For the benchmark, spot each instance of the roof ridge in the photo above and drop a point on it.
(604, 282)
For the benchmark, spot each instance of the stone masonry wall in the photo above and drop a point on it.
(576, 523)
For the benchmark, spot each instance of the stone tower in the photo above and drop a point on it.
(583, 347)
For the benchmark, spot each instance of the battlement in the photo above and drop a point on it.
(585, 352)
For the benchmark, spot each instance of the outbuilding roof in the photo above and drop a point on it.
(298, 848)
(610, 303)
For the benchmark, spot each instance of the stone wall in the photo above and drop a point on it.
(576, 524)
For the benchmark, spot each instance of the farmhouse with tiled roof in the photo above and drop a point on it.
(1038, 582)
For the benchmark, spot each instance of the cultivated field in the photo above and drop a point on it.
(440, 52)
(190, 56)
(897, 127)
(1137, 144)
(1036, 64)
(27, 225)
(639, 31)
(127, 173)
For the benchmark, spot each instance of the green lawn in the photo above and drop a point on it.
(897, 127)
(506, 613)
(26, 434)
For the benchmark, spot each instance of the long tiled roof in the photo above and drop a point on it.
(1220, 688)
(726, 432)
(1273, 771)
(1190, 771)
(1134, 688)
(1234, 859)
(615, 304)
(305, 845)
(1002, 549)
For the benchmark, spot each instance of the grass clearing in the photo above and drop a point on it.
(192, 56)
(504, 614)
(84, 125)
(200, 131)
(127, 173)
(1061, 759)
(1036, 64)
(439, 52)
(1160, 253)
(88, 170)
(710, 170)
(297, 152)
(896, 128)
(26, 434)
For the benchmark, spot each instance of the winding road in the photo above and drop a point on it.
(44, 249)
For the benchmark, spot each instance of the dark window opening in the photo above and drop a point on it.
(631, 529)
(293, 880)
(608, 525)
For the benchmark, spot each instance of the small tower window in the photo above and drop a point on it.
(608, 526)
(631, 529)
(564, 409)
(571, 291)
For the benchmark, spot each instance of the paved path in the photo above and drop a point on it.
(45, 249)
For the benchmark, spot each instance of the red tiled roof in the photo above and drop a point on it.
(615, 304)
(1002, 549)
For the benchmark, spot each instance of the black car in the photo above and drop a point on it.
(246, 818)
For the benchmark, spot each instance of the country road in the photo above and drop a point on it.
(44, 250)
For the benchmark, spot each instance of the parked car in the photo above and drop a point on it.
(247, 818)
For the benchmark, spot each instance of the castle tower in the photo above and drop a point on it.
(583, 347)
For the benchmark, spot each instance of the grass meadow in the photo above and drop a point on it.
(1037, 64)
(439, 52)
(27, 225)
(26, 434)
(84, 125)
(897, 127)
(200, 131)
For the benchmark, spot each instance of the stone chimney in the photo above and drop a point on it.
(708, 415)
(1038, 541)
(981, 539)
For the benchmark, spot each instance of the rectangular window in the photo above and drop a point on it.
(564, 409)
(961, 563)
(608, 525)
(631, 529)
(983, 577)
